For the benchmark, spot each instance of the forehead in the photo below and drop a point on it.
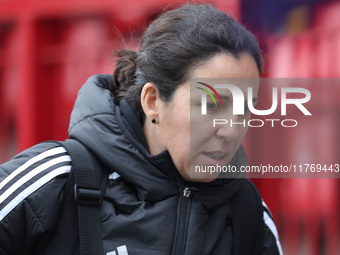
(241, 72)
(224, 65)
(224, 89)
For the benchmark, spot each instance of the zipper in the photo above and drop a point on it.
(183, 218)
(188, 191)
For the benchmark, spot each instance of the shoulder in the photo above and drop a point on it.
(28, 172)
(271, 237)
(253, 215)
(271, 243)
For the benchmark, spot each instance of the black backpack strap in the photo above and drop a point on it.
(88, 197)
(247, 219)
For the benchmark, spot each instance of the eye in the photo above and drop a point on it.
(213, 107)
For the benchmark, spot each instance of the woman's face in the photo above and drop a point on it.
(194, 141)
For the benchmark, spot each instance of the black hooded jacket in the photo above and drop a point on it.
(148, 209)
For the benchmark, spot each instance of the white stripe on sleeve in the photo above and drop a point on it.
(33, 173)
(271, 225)
(30, 162)
(32, 188)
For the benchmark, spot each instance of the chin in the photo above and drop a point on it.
(200, 177)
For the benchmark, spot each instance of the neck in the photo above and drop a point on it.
(151, 132)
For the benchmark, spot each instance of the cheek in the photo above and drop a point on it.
(201, 134)
(176, 135)
(179, 149)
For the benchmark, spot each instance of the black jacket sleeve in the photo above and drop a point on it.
(31, 194)
(271, 243)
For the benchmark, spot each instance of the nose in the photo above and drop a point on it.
(232, 129)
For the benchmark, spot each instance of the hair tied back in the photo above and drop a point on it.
(125, 70)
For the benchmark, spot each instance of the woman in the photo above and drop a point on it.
(137, 124)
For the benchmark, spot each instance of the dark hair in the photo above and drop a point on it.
(175, 43)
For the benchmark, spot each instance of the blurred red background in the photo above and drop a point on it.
(49, 48)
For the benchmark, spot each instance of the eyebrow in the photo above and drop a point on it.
(224, 97)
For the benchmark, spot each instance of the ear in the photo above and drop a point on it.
(149, 98)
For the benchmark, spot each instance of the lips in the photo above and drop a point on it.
(215, 155)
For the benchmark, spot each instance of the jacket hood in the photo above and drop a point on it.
(116, 138)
